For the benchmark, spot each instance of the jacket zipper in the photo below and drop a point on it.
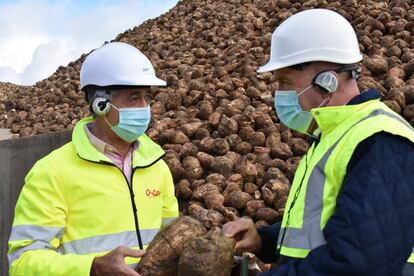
(131, 193)
(134, 208)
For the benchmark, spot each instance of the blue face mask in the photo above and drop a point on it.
(133, 122)
(290, 112)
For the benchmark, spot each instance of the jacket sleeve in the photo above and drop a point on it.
(39, 222)
(170, 204)
(268, 236)
(372, 229)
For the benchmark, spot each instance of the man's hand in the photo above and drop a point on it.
(245, 233)
(113, 263)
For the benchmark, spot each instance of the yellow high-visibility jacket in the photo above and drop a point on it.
(320, 174)
(76, 204)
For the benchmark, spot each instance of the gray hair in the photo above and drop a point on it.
(108, 94)
(91, 93)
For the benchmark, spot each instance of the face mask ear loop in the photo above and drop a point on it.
(109, 124)
(106, 120)
(325, 101)
(114, 107)
(306, 89)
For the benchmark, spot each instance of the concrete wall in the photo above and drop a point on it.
(17, 156)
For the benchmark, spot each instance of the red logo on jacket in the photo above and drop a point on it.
(152, 193)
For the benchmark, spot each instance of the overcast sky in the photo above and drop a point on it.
(37, 36)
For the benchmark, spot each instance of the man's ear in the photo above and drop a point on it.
(326, 81)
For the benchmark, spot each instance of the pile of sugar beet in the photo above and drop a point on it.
(185, 248)
(228, 153)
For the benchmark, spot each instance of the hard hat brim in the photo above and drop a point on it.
(270, 66)
(157, 82)
(274, 65)
(143, 82)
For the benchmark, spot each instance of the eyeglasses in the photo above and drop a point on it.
(353, 69)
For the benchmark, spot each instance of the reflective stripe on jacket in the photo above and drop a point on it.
(320, 174)
(76, 205)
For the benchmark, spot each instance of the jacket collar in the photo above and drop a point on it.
(147, 153)
(368, 95)
(328, 118)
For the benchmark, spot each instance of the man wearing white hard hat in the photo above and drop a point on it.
(350, 210)
(92, 206)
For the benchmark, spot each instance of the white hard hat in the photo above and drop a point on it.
(313, 35)
(118, 63)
